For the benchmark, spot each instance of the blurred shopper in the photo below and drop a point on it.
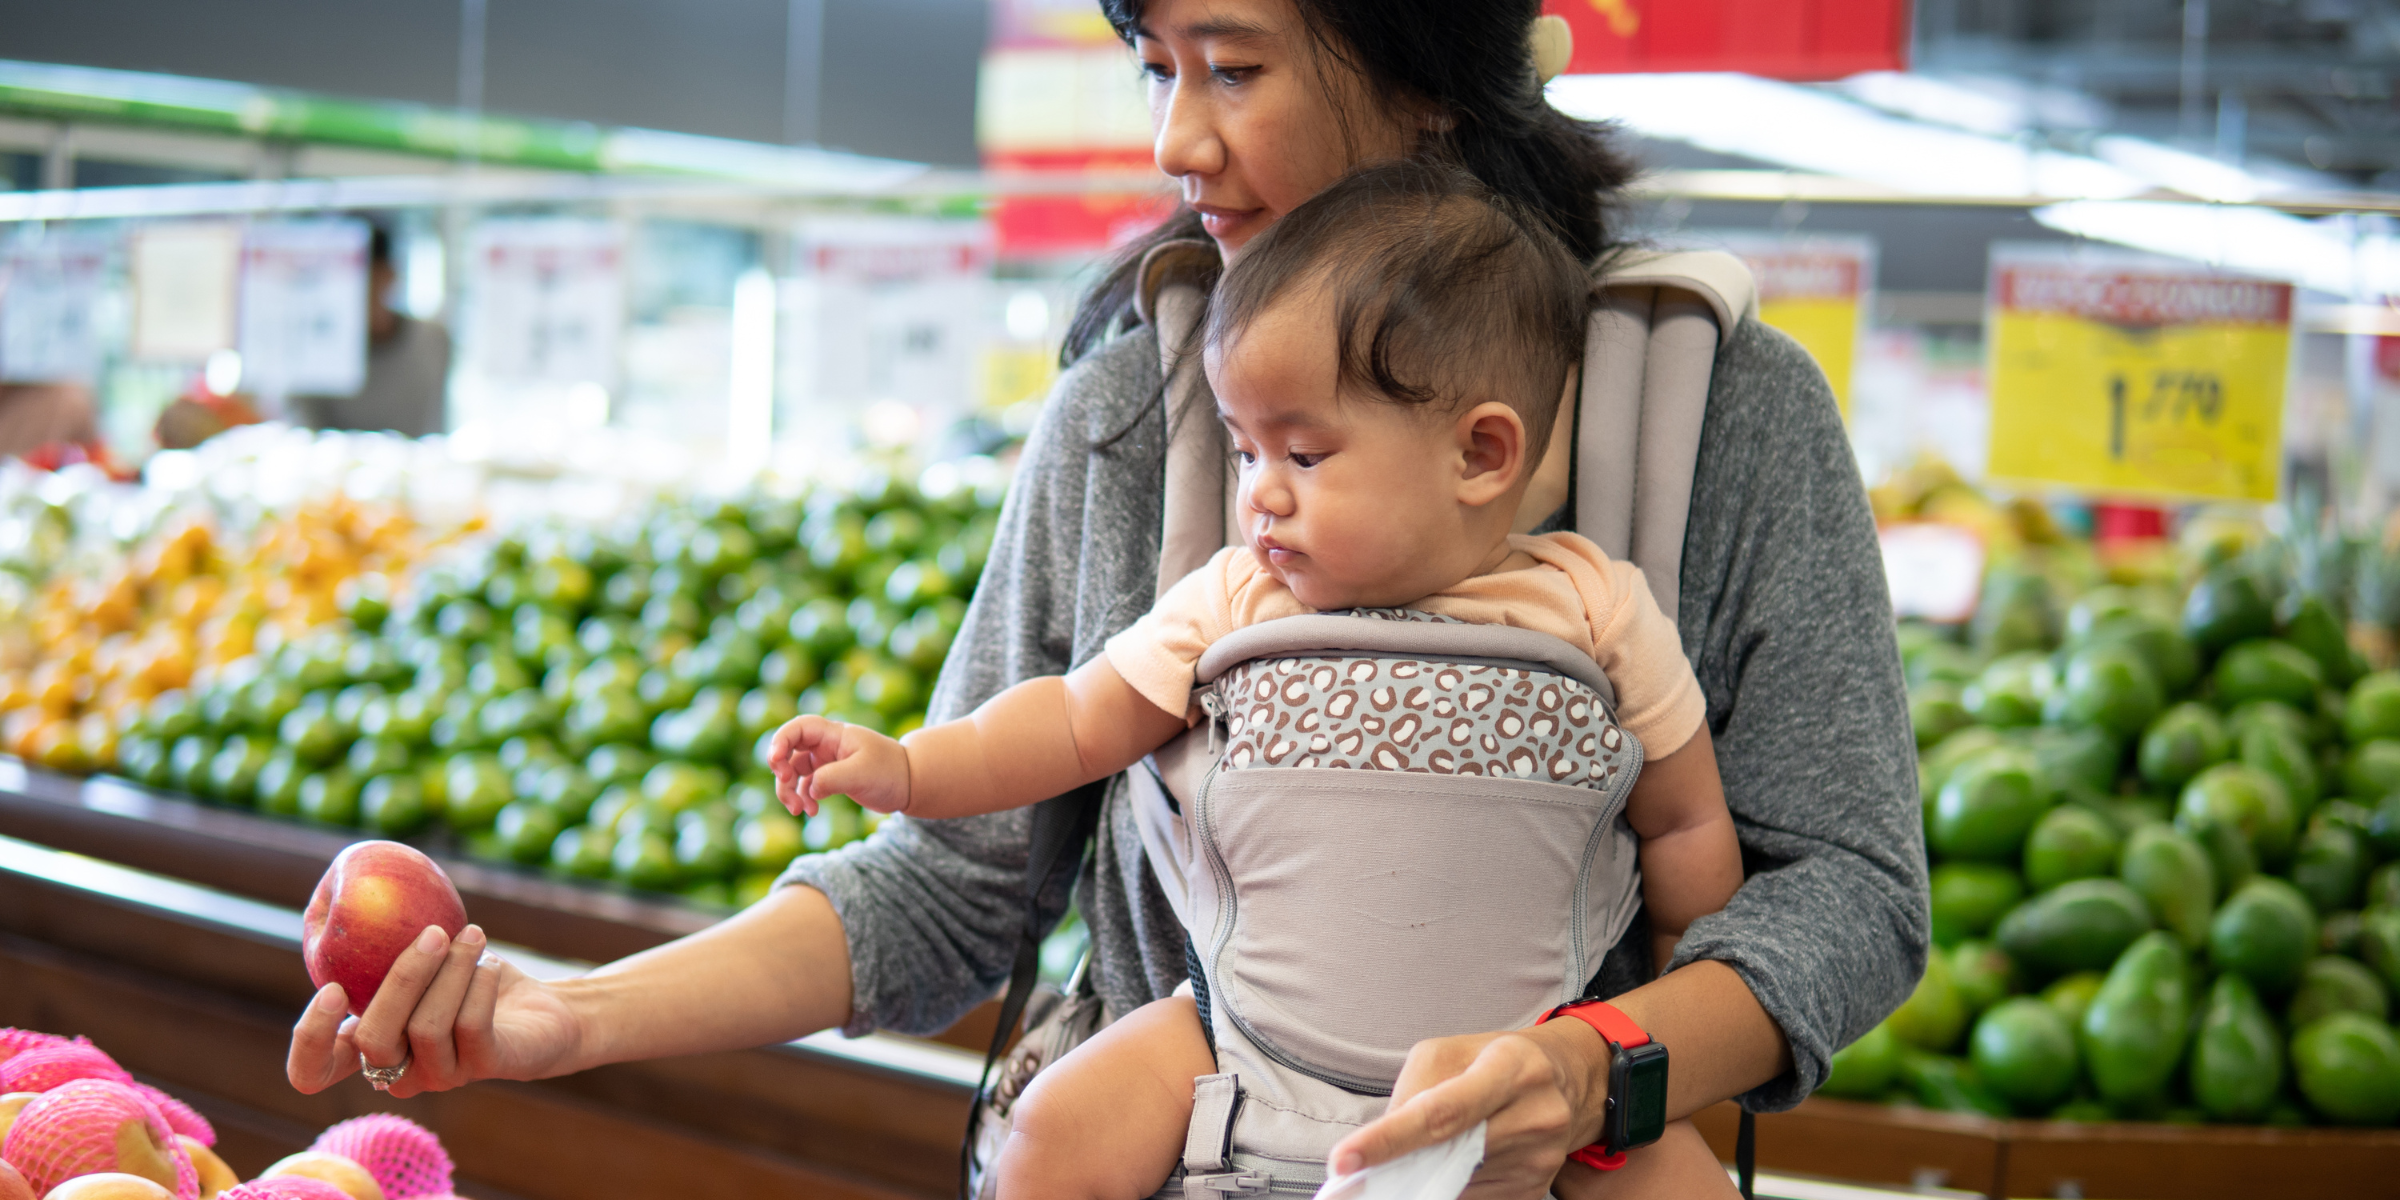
(35, 417)
(408, 364)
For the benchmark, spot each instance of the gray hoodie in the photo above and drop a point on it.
(1784, 615)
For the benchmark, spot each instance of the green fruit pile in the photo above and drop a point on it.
(2165, 843)
(596, 701)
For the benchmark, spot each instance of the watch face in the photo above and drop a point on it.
(1645, 1094)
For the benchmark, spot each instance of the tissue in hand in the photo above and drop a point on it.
(1438, 1172)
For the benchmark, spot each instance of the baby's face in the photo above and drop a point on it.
(1348, 500)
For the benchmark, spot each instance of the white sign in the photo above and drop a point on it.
(184, 279)
(304, 308)
(1935, 571)
(887, 318)
(546, 301)
(49, 292)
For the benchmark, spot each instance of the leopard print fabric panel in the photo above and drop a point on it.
(1396, 714)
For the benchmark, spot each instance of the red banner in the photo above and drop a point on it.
(1781, 39)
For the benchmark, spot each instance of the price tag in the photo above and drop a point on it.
(1813, 289)
(2128, 376)
(546, 301)
(49, 289)
(304, 308)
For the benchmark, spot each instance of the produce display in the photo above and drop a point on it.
(585, 697)
(2163, 815)
(76, 1126)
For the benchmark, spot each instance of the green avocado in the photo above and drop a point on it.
(2330, 868)
(1986, 808)
(2133, 1034)
(2287, 760)
(1982, 973)
(2374, 709)
(2072, 994)
(2383, 887)
(2079, 926)
(2011, 690)
(1933, 1015)
(2265, 933)
(2171, 655)
(2337, 933)
(1970, 898)
(2024, 1051)
(2108, 687)
(2173, 876)
(2237, 1054)
(2246, 799)
(2016, 612)
(1934, 712)
(2349, 1069)
(2244, 717)
(1947, 1084)
(2070, 842)
(2331, 983)
(2309, 623)
(2072, 759)
(1935, 766)
(1864, 1069)
(2382, 827)
(2184, 741)
(2372, 771)
(2379, 943)
(2226, 606)
(2266, 669)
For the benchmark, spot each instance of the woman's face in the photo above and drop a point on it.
(1249, 115)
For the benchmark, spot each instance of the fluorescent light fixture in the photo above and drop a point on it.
(2314, 254)
(2186, 172)
(1939, 101)
(750, 393)
(1811, 129)
(794, 166)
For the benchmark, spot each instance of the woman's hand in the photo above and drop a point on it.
(814, 757)
(1541, 1089)
(451, 1009)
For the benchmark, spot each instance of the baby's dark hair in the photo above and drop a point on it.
(1442, 289)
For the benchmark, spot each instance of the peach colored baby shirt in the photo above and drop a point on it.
(1577, 593)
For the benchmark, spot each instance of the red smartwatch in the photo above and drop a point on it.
(1636, 1108)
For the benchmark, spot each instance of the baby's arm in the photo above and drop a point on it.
(1691, 862)
(1036, 740)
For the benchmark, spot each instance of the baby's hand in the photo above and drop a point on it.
(815, 757)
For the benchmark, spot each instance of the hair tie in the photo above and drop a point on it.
(1552, 43)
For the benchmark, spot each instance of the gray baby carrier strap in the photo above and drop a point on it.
(1482, 898)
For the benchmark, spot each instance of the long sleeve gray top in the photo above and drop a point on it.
(1784, 616)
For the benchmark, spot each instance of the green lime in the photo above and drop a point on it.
(527, 829)
(2108, 687)
(2265, 933)
(705, 847)
(1987, 807)
(2025, 1051)
(2265, 669)
(1982, 973)
(584, 851)
(678, 786)
(2182, 742)
(2349, 1069)
(837, 824)
(768, 841)
(233, 773)
(619, 763)
(2374, 709)
(2236, 1069)
(478, 787)
(2070, 842)
(1970, 898)
(2331, 983)
(1864, 1069)
(371, 756)
(2372, 771)
(646, 860)
(393, 805)
(2379, 943)
(569, 791)
(312, 733)
(2330, 868)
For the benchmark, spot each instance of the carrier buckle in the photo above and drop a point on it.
(1227, 1183)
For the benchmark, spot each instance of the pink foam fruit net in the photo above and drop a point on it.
(71, 1130)
(403, 1156)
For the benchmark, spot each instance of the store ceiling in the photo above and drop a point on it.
(898, 76)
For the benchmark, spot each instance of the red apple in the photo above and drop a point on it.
(12, 1183)
(373, 902)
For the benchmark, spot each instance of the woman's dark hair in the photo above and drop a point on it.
(1443, 291)
(1469, 60)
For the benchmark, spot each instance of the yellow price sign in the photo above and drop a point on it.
(1813, 289)
(2136, 378)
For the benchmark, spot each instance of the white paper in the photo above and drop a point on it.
(1935, 571)
(49, 294)
(184, 279)
(546, 301)
(884, 311)
(1434, 1173)
(304, 308)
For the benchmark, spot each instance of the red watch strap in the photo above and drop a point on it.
(1617, 1029)
(1614, 1026)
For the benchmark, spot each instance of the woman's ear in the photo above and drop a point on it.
(1491, 448)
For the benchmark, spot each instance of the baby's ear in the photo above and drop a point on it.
(1491, 444)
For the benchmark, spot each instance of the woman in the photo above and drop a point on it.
(1257, 105)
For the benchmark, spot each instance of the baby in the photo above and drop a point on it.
(1388, 360)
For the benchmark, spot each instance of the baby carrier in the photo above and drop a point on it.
(1429, 812)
